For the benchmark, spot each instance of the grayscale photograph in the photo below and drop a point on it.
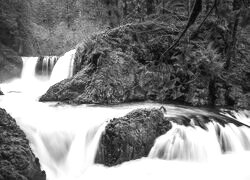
(124, 89)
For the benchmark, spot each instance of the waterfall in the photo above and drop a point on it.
(66, 153)
(39, 73)
(197, 144)
(45, 66)
(29, 64)
(64, 67)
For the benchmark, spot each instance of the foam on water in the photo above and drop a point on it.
(197, 144)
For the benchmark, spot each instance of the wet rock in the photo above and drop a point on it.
(17, 161)
(103, 86)
(131, 137)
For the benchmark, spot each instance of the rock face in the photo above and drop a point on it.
(10, 63)
(124, 65)
(15, 37)
(131, 137)
(17, 162)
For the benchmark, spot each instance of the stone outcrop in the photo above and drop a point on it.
(111, 67)
(131, 137)
(124, 64)
(17, 161)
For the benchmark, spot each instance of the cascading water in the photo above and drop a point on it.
(195, 143)
(28, 71)
(65, 138)
(45, 66)
(40, 73)
(64, 68)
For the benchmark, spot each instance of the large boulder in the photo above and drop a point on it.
(118, 66)
(17, 161)
(1, 93)
(131, 137)
(129, 63)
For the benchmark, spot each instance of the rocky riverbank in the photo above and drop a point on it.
(128, 64)
(17, 161)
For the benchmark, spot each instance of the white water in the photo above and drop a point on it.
(65, 137)
(47, 65)
(64, 68)
(194, 143)
(28, 72)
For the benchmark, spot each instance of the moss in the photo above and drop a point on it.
(123, 65)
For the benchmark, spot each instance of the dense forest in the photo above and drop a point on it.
(61, 24)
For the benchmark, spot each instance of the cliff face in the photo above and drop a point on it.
(15, 37)
(17, 161)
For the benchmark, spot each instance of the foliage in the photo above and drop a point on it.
(14, 25)
(59, 25)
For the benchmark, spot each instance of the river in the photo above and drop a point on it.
(65, 137)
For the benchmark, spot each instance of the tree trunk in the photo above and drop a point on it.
(230, 54)
(163, 6)
(231, 49)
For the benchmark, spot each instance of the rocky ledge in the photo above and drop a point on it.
(128, 64)
(17, 161)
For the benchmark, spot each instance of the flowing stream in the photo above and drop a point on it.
(65, 137)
